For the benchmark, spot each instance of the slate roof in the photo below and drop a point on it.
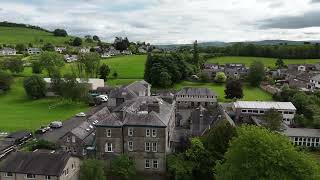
(302, 132)
(316, 78)
(35, 163)
(19, 135)
(122, 92)
(196, 92)
(135, 114)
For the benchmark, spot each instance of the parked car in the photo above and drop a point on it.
(81, 114)
(103, 98)
(56, 124)
(42, 129)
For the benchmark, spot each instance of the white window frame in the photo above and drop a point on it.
(147, 132)
(33, 176)
(154, 133)
(107, 146)
(108, 131)
(68, 139)
(48, 177)
(154, 147)
(73, 139)
(130, 147)
(147, 146)
(155, 162)
(147, 164)
(130, 131)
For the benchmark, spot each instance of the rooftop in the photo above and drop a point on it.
(196, 92)
(264, 105)
(302, 132)
(35, 163)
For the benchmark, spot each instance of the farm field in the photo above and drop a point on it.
(250, 93)
(268, 62)
(18, 112)
(16, 35)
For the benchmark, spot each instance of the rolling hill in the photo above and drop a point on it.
(37, 37)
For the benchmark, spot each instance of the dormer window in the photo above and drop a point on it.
(147, 132)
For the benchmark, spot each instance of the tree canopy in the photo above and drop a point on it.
(92, 169)
(257, 153)
(256, 73)
(6, 80)
(233, 89)
(35, 87)
(60, 32)
(51, 61)
(123, 167)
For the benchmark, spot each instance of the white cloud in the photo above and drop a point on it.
(164, 21)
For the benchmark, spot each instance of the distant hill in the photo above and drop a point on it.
(12, 33)
(223, 44)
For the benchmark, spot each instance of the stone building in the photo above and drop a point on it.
(194, 97)
(140, 128)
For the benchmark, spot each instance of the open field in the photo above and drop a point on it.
(268, 62)
(250, 93)
(16, 35)
(18, 112)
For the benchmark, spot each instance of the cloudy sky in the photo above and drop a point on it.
(172, 21)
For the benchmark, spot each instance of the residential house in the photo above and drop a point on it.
(300, 79)
(126, 52)
(91, 83)
(32, 51)
(142, 50)
(189, 97)
(7, 51)
(140, 128)
(60, 49)
(257, 108)
(235, 70)
(121, 94)
(70, 58)
(105, 55)
(315, 82)
(301, 67)
(40, 166)
(84, 50)
(303, 136)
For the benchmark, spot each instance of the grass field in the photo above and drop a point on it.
(268, 62)
(18, 112)
(250, 93)
(16, 35)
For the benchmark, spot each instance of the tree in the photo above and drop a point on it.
(280, 63)
(51, 61)
(220, 77)
(77, 41)
(36, 67)
(70, 88)
(233, 90)
(104, 71)
(273, 120)
(196, 57)
(96, 38)
(6, 80)
(164, 79)
(218, 138)
(256, 73)
(92, 169)
(35, 87)
(180, 168)
(90, 62)
(257, 153)
(14, 65)
(123, 167)
(21, 48)
(60, 32)
(48, 47)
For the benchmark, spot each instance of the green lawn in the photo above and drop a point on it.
(16, 35)
(269, 62)
(18, 112)
(250, 93)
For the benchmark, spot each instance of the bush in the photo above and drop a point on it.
(220, 77)
(35, 87)
(6, 80)
(77, 41)
(36, 67)
(60, 32)
(41, 144)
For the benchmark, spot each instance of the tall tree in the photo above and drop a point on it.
(90, 63)
(279, 63)
(257, 153)
(123, 167)
(256, 73)
(14, 65)
(51, 61)
(96, 38)
(92, 169)
(233, 90)
(104, 72)
(48, 47)
(77, 41)
(6, 80)
(35, 87)
(60, 32)
(196, 57)
(273, 120)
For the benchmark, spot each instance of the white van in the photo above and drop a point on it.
(103, 98)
